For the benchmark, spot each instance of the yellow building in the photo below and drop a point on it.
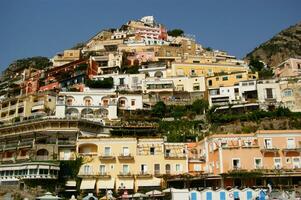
(129, 163)
(204, 69)
(27, 106)
(230, 79)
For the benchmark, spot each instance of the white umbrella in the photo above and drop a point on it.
(138, 195)
(48, 196)
(154, 193)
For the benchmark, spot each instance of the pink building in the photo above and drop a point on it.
(267, 156)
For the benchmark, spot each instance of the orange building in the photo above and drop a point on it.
(267, 156)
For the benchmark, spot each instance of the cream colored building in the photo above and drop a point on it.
(291, 94)
(129, 163)
(289, 68)
(67, 56)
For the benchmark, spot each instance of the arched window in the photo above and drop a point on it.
(158, 74)
(167, 168)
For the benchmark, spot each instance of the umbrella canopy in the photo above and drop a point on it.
(48, 196)
(90, 196)
(138, 195)
(154, 193)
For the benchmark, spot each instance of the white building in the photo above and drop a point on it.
(96, 105)
(269, 95)
(224, 96)
(128, 82)
(154, 70)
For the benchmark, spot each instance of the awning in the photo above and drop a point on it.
(55, 167)
(32, 167)
(43, 166)
(148, 182)
(125, 184)
(106, 184)
(87, 184)
(71, 183)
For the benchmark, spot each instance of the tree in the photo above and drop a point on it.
(175, 32)
(106, 83)
(178, 111)
(159, 109)
(199, 106)
(263, 71)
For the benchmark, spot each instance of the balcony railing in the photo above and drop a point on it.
(174, 156)
(123, 156)
(88, 154)
(94, 175)
(125, 174)
(144, 174)
(292, 149)
(108, 157)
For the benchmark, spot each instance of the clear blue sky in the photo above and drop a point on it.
(45, 27)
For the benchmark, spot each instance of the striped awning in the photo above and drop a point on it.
(106, 184)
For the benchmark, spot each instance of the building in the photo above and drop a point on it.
(270, 153)
(107, 63)
(289, 68)
(269, 95)
(206, 69)
(291, 94)
(33, 150)
(66, 57)
(128, 163)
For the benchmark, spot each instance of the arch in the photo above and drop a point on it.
(72, 112)
(42, 152)
(87, 148)
(88, 100)
(105, 101)
(158, 74)
(146, 75)
(167, 168)
(70, 100)
(87, 113)
(102, 112)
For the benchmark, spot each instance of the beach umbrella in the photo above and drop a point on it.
(48, 196)
(154, 193)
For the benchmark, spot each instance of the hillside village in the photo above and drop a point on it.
(139, 108)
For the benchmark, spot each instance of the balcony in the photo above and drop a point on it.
(171, 156)
(66, 143)
(107, 157)
(144, 174)
(92, 154)
(273, 150)
(125, 157)
(125, 175)
(291, 149)
(102, 175)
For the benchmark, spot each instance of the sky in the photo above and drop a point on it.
(45, 27)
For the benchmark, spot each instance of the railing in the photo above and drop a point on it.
(42, 157)
(174, 156)
(125, 156)
(125, 174)
(88, 154)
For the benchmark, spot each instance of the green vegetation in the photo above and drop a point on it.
(106, 83)
(159, 109)
(258, 66)
(175, 32)
(38, 62)
(251, 116)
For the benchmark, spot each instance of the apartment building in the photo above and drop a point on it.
(289, 68)
(269, 95)
(27, 106)
(204, 69)
(291, 94)
(129, 163)
(270, 152)
(32, 150)
(67, 56)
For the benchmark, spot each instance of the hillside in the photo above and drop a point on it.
(285, 44)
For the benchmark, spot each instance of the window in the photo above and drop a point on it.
(296, 162)
(225, 78)
(107, 151)
(236, 163)
(125, 151)
(193, 72)
(238, 76)
(290, 143)
(133, 102)
(178, 168)
(258, 163)
(152, 151)
(236, 90)
(102, 169)
(167, 168)
(287, 93)
(210, 82)
(277, 163)
(157, 168)
(268, 143)
(180, 87)
(125, 169)
(143, 169)
(167, 152)
(197, 167)
(196, 86)
(87, 169)
(269, 93)
(121, 81)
